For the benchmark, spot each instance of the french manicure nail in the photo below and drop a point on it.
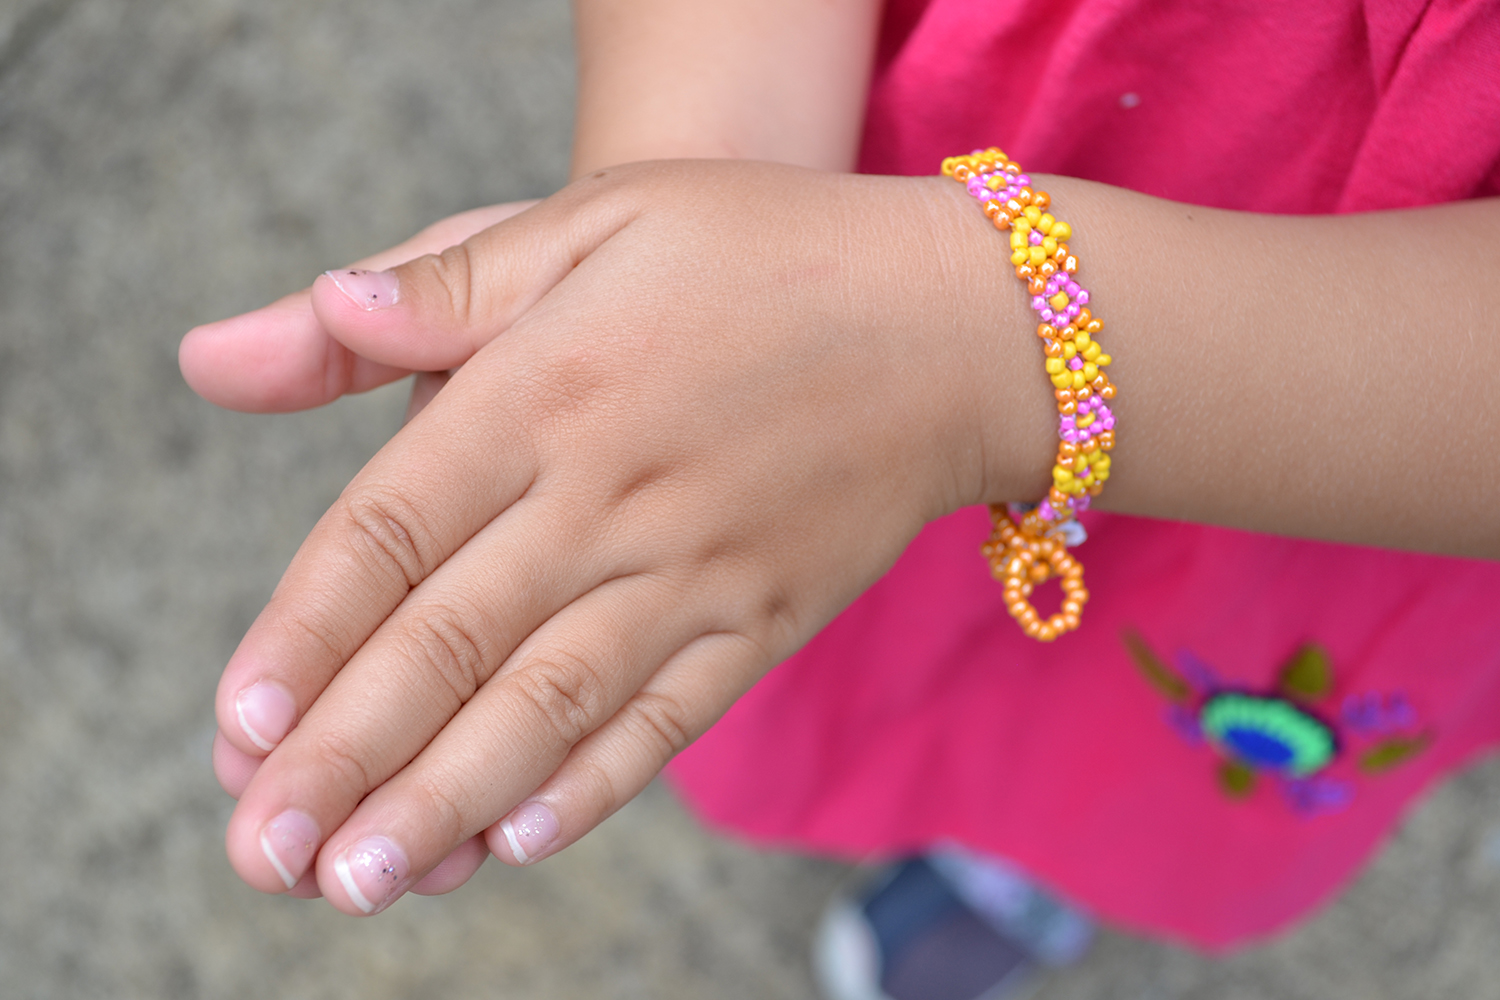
(367, 289)
(289, 842)
(370, 871)
(266, 712)
(529, 830)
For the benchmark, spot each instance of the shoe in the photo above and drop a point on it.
(948, 926)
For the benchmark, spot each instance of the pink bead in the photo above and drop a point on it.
(1047, 315)
(1076, 364)
(1073, 310)
(1072, 288)
(1035, 238)
(1037, 302)
(1023, 180)
(1083, 296)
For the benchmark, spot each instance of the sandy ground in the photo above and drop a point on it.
(166, 162)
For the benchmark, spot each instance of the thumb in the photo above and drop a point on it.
(433, 313)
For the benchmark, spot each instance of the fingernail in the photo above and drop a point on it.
(370, 871)
(367, 289)
(529, 830)
(266, 713)
(290, 841)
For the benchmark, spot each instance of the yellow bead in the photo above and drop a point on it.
(1061, 231)
(1103, 361)
(1080, 464)
(1079, 381)
(1020, 256)
(1037, 256)
(994, 183)
(1058, 301)
(1022, 225)
(1055, 365)
(1062, 477)
(1085, 420)
(1087, 347)
(1033, 214)
(1090, 371)
(1045, 223)
(1049, 245)
(1062, 380)
(1101, 463)
(1018, 240)
(1068, 350)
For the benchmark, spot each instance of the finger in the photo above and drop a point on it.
(456, 869)
(279, 358)
(306, 888)
(435, 312)
(424, 389)
(566, 679)
(615, 763)
(429, 658)
(233, 767)
(424, 495)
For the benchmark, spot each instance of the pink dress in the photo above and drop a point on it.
(1241, 719)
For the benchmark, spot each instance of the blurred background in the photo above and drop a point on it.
(168, 162)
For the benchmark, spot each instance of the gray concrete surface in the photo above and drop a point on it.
(164, 162)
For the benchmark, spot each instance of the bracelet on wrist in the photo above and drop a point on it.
(1029, 544)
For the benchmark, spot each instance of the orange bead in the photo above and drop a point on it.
(1037, 285)
(1048, 269)
(1067, 409)
(962, 173)
(1070, 620)
(1070, 264)
(1025, 271)
(1093, 326)
(1041, 199)
(1107, 440)
(1064, 395)
(1052, 348)
(1067, 450)
(1108, 392)
(1083, 394)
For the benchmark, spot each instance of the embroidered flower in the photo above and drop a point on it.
(1278, 734)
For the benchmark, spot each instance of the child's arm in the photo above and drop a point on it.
(720, 398)
(777, 80)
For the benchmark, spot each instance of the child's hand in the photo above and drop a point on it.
(702, 406)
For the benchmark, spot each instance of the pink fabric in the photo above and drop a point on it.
(921, 714)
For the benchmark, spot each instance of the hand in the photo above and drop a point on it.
(701, 407)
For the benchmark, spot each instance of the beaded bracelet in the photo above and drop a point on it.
(1029, 544)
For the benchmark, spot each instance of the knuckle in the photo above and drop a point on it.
(662, 721)
(565, 691)
(454, 271)
(441, 807)
(346, 759)
(445, 647)
(390, 529)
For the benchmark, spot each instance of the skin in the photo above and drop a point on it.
(721, 397)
